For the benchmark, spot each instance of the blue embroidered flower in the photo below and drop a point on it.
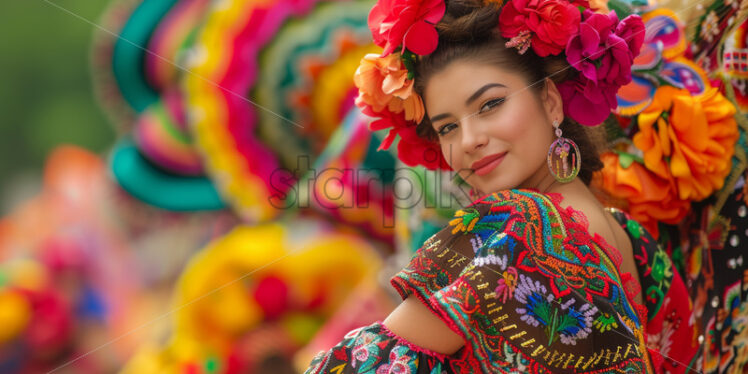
(562, 321)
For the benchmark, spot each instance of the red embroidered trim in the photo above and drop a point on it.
(405, 290)
(400, 340)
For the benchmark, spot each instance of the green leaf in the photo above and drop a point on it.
(566, 321)
(409, 61)
(622, 8)
(625, 160)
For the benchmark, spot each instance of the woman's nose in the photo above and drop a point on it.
(473, 137)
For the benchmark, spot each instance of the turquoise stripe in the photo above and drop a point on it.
(129, 53)
(156, 187)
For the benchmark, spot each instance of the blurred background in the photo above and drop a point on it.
(47, 97)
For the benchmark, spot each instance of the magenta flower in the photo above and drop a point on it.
(506, 284)
(586, 101)
(603, 51)
(631, 29)
(591, 42)
(406, 23)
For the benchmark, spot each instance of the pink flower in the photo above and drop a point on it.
(550, 24)
(586, 101)
(406, 23)
(604, 49)
(506, 284)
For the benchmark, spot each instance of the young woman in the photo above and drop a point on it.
(536, 275)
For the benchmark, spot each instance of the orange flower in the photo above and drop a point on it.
(599, 6)
(383, 84)
(649, 198)
(688, 138)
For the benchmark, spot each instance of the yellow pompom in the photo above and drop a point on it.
(15, 313)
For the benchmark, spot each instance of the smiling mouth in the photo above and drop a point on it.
(488, 163)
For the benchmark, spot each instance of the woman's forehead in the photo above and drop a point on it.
(467, 72)
(463, 78)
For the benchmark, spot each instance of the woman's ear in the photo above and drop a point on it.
(552, 102)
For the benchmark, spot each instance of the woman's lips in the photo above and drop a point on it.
(488, 163)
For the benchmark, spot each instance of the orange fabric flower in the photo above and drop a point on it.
(688, 138)
(649, 198)
(383, 84)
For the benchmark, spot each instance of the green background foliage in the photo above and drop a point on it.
(46, 96)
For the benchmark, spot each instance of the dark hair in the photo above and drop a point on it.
(469, 30)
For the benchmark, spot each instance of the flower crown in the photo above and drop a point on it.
(599, 46)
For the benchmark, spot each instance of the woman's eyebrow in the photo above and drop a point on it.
(481, 90)
(439, 116)
(470, 99)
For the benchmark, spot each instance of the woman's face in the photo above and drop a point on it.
(494, 129)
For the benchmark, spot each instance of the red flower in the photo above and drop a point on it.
(549, 23)
(387, 120)
(414, 150)
(406, 23)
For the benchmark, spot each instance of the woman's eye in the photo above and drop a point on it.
(444, 130)
(490, 104)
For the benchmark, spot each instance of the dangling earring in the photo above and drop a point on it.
(562, 151)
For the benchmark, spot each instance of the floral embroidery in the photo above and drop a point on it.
(662, 268)
(401, 362)
(506, 284)
(464, 220)
(605, 322)
(710, 27)
(663, 340)
(365, 352)
(516, 359)
(669, 309)
(561, 320)
(510, 305)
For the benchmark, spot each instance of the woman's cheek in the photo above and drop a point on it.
(451, 154)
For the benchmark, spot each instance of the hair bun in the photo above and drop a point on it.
(468, 21)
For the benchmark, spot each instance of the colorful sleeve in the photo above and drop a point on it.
(672, 335)
(527, 289)
(375, 349)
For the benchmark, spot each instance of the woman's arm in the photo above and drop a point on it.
(414, 322)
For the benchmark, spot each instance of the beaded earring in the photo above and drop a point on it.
(564, 159)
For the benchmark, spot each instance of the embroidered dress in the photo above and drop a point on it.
(528, 288)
